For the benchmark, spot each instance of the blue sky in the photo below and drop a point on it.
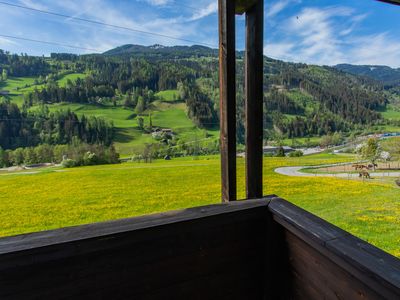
(311, 31)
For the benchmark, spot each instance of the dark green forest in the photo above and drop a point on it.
(300, 100)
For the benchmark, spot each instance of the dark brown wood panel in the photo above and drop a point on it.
(227, 74)
(92, 231)
(303, 222)
(329, 263)
(254, 87)
(214, 252)
(255, 249)
(316, 275)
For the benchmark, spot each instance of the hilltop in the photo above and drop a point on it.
(159, 51)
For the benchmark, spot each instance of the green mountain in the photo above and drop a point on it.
(168, 97)
(389, 76)
(159, 51)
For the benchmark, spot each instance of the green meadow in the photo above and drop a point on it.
(20, 85)
(54, 198)
(130, 138)
(166, 112)
(168, 95)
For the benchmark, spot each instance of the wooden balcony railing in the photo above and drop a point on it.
(255, 249)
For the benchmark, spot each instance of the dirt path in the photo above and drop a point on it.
(296, 172)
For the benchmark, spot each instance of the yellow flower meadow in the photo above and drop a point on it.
(68, 197)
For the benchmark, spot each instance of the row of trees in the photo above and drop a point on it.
(80, 91)
(23, 65)
(162, 150)
(313, 123)
(70, 155)
(139, 99)
(200, 107)
(30, 128)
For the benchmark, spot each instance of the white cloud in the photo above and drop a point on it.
(210, 9)
(319, 42)
(354, 22)
(33, 4)
(7, 42)
(328, 36)
(276, 8)
(104, 38)
(378, 49)
(316, 38)
(157, 2)
(282, 51)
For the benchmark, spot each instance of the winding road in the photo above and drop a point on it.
(295, 171)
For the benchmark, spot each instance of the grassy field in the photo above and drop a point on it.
(168, 95)
(20, 85)
(14, 83)
(391, 113)
(303, 142)
(73, 77)
(58, 198)
(129, 138)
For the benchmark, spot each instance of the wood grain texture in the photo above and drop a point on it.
(254, 249)
(254, 99)
(331, 263)
(202, 253)
(227, 78)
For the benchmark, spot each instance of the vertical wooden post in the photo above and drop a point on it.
(227, 69)
(254, 99)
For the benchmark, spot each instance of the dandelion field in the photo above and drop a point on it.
(54, 198)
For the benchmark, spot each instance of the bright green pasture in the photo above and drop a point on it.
(73, 77)
(315, 140)
(167, 95)
(20, 85)
(129, 138)
(91, 194)
(391, 112)
(121, 117)
(14, 83)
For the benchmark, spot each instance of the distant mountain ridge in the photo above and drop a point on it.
(387, 75)
(161, 51)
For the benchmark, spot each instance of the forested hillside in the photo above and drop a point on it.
(387, 75)
(165, 100)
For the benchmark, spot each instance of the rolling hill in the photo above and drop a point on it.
(164, 52)
(146, 88)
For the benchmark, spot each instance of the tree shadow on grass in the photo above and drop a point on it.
(123, 135)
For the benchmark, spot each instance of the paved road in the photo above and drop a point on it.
(295, 171)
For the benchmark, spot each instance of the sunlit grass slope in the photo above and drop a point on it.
(168, 95)
(50, 200)
(129, 138)
(20, 85)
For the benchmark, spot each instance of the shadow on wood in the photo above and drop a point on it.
(255, 249)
